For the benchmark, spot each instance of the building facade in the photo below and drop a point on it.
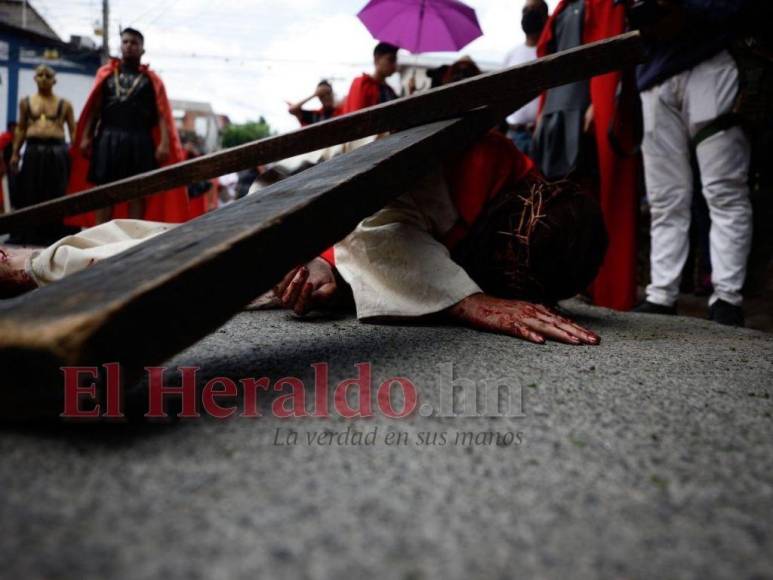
(26, 41)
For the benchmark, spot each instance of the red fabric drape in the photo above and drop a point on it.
(364, 92)
(6, 138)
(475, 176)
(615, 285)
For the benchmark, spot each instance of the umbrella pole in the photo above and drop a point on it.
(418, 41)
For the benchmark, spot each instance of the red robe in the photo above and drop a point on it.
(6, 138)
(167, 206)
(364, 92)
(615, 285)
(490, 165)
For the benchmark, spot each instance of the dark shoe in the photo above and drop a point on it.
(648, 307)
(726, 313)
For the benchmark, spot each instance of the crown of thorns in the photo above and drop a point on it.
(522, 226)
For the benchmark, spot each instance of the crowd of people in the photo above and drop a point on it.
(562, 177)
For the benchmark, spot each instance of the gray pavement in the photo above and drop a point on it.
(650, 456)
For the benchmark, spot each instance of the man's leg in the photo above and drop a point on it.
(668, 179)
(723, 159)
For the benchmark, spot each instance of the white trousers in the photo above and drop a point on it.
(674, 112)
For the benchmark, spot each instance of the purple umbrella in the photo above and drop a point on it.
(422, 25)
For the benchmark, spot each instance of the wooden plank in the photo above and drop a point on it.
(507, 89)
(145, 305)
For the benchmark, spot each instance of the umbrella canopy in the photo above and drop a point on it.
(422, 25)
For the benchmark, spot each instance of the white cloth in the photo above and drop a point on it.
(674, 112)
(528, 113)
(394, 262)
(79, 251)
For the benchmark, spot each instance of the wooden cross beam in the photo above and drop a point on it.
(136, 308)
(507, 89)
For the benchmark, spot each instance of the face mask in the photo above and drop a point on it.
(533, 21)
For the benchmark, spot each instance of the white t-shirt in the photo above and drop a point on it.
(528, 113)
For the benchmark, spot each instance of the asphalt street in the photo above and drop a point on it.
(650, 456)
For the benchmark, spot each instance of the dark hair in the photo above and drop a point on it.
(541, 242)
(383, 48)
(464, 68)
(324, 83)
(543, 8)
(135, 32)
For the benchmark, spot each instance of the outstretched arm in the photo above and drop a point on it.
(397, 268)
(532, 322)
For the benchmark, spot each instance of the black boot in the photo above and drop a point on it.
(726, 313)
(648, 307)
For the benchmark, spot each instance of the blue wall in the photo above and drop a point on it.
(70, 61)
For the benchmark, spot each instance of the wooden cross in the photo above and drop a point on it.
(135, 308)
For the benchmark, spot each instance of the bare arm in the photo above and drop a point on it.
(295, 109)
(69, 120)
(162, 152)
(89, 125)
(20, 135)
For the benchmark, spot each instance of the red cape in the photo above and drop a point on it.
(615, 285)
(475, 176)
(364, 92)
(167, 206)
(484, 170)
(5, 139)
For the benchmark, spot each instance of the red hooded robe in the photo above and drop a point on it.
(167, 206)
(615, 285)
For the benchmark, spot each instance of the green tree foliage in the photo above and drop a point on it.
(234, 134)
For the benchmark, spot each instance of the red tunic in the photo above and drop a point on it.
(490, 165)
(364, 92)
(167, 206)
(6, 138)
(615, 285)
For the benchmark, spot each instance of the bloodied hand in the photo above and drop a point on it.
(532, 322)
(307, 287)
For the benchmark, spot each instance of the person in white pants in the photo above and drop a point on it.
(675, 111)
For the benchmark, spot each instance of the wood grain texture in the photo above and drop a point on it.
(508, 89)
(150, 302)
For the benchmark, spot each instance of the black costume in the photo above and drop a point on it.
(124, 145)
(45, 171)
(45, 167)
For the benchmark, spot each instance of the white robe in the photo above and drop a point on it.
(393, 260)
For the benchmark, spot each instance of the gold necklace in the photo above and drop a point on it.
(119, 90)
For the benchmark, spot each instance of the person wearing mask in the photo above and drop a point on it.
(521, 123)
(586, 132)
